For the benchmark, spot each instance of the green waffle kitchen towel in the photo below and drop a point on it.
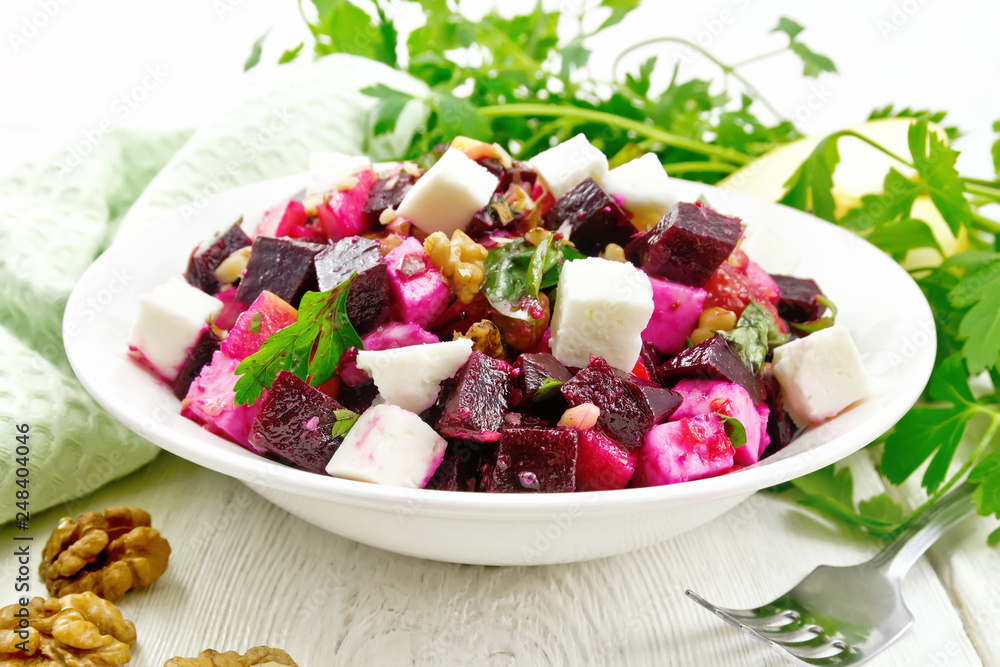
(57, 215)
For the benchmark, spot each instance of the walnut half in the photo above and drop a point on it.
(108, 554)
(79, 630)
(261, 656)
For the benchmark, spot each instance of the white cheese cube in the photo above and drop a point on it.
(389, 445)
(171, 318)
(645, 188)
(331, 170)
(820, 375)
(411, 376)
(570, 163)
(601, 308)
(449, 194)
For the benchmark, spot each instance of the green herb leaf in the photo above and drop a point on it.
(936, 117)
(548, 389)
(811, 186)
(255, 321)
(789, 27)
(291, 54)
(831, 492)
(925, 430)
(345, 420)
(935, 163)
(987, 495)
(619, 9)
(310, 348)
(754, 333)
(996, 149)
(345, 28)
(516, 271)
(382, 117)
(899, 237)
(255, 52)
(735, 431)
(980, 329)
(894, 203)
(812, 62)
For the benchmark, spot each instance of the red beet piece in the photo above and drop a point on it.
(533, 460)
(594, 218)
(629, 406)
(531, 371)
(797, 299)
(295, 424)
(457, 471)
(368, 302)
(207, 257)
(711, 360)
(358, 398)
(283, 266)
(199, 357)
(687, 245)
(780, 426)
(387, 191)
(476, 399)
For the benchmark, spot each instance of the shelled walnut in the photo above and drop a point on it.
(108, 554)
(80, 630)
(486, 338)
(261, 656)
(461, 260)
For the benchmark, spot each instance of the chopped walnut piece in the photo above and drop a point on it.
(486, 338)
(108, 554)
(80, 630)
(261, 656)
(461, 261)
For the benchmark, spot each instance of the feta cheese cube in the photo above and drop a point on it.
(601, 308)
(411, 376)
(328, 171)
(389, 445)
(645, 188)
(820, 375)
(570, 163)
(449, 194)
(171, 318)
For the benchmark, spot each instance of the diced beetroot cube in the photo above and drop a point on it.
(199, 356)
(687, 245)
(780, 427)
(592, 217)
(476, 399)
(368, 302)
(659, 402)
(282, 266)
(711, 359)
(264, 316)
(207, 257)
(211, 401)
(798, 299)
(289, 219)
(295, 424)
(601, 465)
(231, 309)
(531, 371)
(626, 409)
(457, 472)
(358, 398)
(676, 309)
(341, 213)
(715, 396)
(534, 460)
(387, 191)
(419, 293)
(683, 450)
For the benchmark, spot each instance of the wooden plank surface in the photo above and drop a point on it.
(244, 572)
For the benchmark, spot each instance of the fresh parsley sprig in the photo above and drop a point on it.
(310, 348)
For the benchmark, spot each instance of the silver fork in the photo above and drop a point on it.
(846, 615)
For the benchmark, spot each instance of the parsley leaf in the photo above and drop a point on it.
(310, 348)
(812, 62)
(345, 28)
(987, 495)
(255, 52)
(516, 271)
(980, 329)
(754, 333)
(548, 388)
(345, 420)
(291, 54)
(735, 430)
(894, 202)
(996, 148)
(935, 163)
(899, 237)
(789, 27)
(382, 117)
(831, 492)
(811, 186)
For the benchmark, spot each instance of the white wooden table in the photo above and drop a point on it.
(244, 572)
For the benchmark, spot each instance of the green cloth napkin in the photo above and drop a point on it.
(54, 222)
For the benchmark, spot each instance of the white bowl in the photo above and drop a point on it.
(881, 305)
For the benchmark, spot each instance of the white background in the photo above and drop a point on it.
(65, 64)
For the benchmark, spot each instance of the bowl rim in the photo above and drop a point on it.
(246, 466)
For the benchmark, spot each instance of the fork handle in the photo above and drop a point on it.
(897, 558)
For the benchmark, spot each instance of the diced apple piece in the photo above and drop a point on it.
(676, 309)
(411, 376)
(713, 396)
(601, 465)
(683, 450)
(449, 194)
(171, 318)
(419, 293)
(389, 445)
(644, 186)
(565, 165)
(288, 219)
(601, 309)
(211, 401)
(820, 375)
(266, 314)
